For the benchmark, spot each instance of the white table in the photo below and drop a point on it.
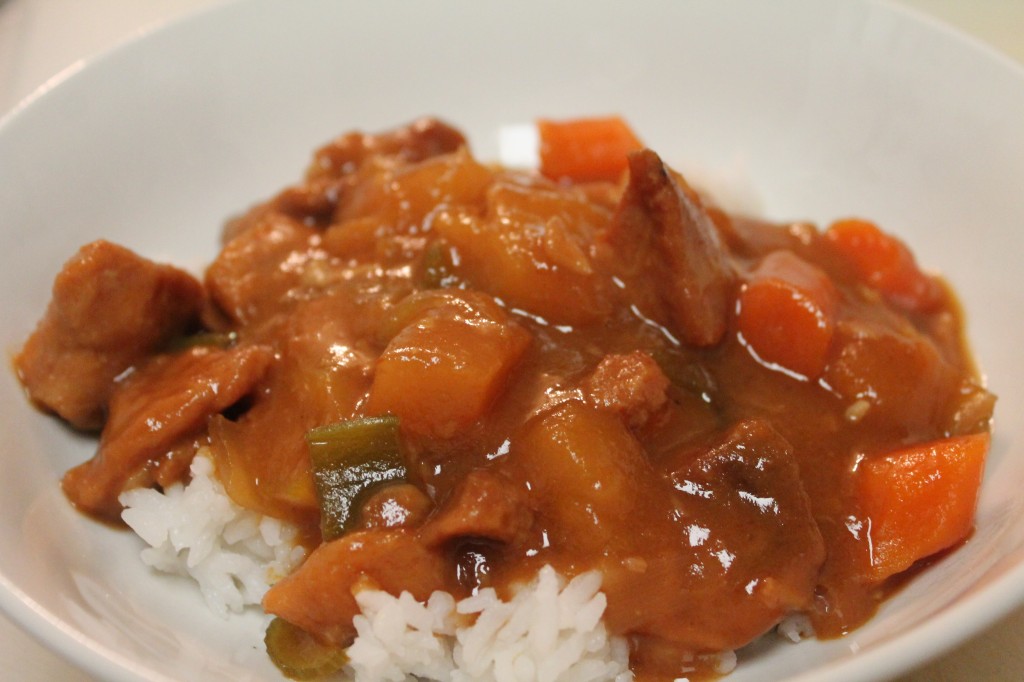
(41, 38)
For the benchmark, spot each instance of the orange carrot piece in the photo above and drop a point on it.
(786, 313)
(585, 149)
(920, 500)
(884, 262)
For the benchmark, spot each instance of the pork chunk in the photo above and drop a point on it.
(664, 232)
(318, 596)
(630, 385)
(420, 140)
(484, 506)
(250, 277)
(151, 411)
(752, 547)
(110, 308)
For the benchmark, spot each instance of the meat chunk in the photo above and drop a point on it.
(750, 482)
(110, 308)
(311, 203)
(750, 547)
(662, 229)
(890, 377)
(485, 505)
(152, 410)
(250, 276)
(318, 596)
(422, 139)
(631, 385)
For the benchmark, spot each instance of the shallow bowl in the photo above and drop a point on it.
(798, 109)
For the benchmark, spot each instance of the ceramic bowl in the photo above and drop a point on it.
(805, 109)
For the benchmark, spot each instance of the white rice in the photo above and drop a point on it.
(795, 627)
(549, 631)
(197, 531)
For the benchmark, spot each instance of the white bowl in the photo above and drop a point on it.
(823, 108)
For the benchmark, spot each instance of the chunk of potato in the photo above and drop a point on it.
(529, 249)
(585, 473)
(441, 372)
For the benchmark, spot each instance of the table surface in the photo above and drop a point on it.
(41, 38)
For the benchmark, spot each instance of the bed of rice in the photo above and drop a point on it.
(551, 630)
(197, 531)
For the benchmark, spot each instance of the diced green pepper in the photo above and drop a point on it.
(299, 655)
(349, 459)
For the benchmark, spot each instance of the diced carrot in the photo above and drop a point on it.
(585, 149)
(440, 373)
(884, 262)
(786, 313)
(920, 500)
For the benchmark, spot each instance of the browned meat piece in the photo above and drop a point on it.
(251, 276)
(485, 505)
(417, 141)
(317, 596)
(887, 377)
(755, 474)
(662, 230)
(110, 308)
(311, 203)
(754, 547)
(314, 201)
(395, 506)
(632, 386)
(152, 410)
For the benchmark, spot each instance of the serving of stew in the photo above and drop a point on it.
(449, 374)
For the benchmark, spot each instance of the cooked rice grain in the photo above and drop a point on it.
(549, 631)
(197, 531)
(795, 627)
